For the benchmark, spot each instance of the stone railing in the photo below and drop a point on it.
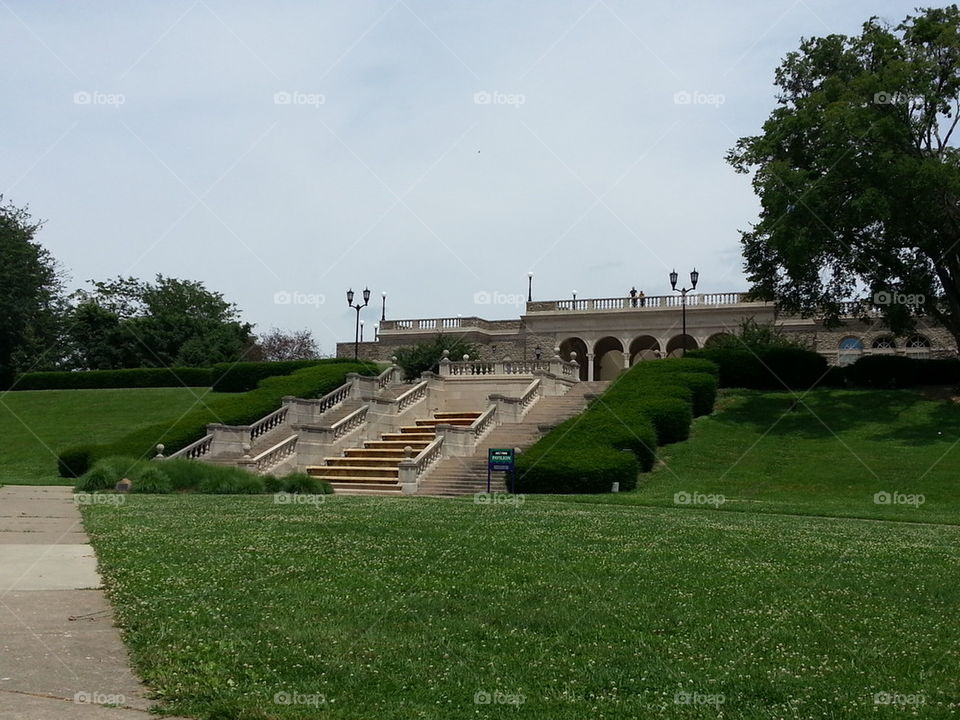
(530, 396)
(412, 469)
(268, 423)
(388, 377)
(273, 456)
(414, 395)
(334, 398)
(348, 424)
(638, 303)
(485, 422)
(479, 368)
(193, 451)
(448, 323)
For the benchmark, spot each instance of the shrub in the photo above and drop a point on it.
(187, 474)
(240, 409)
(305, 484)
(104, 475)
(272, 484)
(232, 482)
(129, 378)
(426, 356)
(671, 418)
(151, 479)
(884, 371)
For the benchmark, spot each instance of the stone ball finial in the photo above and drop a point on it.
(446, 353)
(407, 451)
(393, 359)
(246, 449)
(573, 355)
(160, 448)
(465, 357)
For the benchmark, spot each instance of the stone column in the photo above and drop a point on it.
(589, 367)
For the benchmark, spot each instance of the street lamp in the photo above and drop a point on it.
(694, 276)
(361, 331)
(529, 287)
(357, 307)
(574, 299)
(383, 312)
(537, 352)
(376, 331)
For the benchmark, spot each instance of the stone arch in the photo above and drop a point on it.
(848, 350)
(717, 338)
(607, 358)
(678, 343)
(575, 344)
(884, 344)
(644, 347)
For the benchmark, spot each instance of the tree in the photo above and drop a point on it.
(128, 322)
(280, 345)
(426, 356)
(858, 175)
(31, 295)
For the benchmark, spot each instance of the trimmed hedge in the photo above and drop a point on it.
(774, 368)
(897, 371)
(245, 376)
(101, 379)
(616, 437)
(240, 409)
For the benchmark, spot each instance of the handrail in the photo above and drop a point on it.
(334, 397)
(484, 422)
(429, 455)
(268, 423)
(275, 455)
(194, 450)
(349, 422)
(411, 396)
(386, 377)
(530, 395)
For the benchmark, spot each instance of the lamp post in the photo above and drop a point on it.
(383, 311)
(361, 331)
(358, 307)
(529, 287)
(574, 299)
(694, 276)
(376, 331)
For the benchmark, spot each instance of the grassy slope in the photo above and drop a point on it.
(828, 458)
(407, 608)
(35, 424)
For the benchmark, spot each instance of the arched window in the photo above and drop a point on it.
(918, 346)
(885, 344)
(849, 350)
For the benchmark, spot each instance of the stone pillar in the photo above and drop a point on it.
(589, 367)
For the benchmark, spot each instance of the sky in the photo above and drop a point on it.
(436, 151)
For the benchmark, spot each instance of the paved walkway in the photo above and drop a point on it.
(60, 654)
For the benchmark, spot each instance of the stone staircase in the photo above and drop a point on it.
(455, 476)
(374, 469)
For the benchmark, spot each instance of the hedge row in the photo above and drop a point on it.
(616, 437)
(245, 376)
(187, 476)
(897, 371)
(131, 378)
(775, 368)
(239, 409)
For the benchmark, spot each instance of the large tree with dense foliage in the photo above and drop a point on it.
(31, 296)
(858, 174)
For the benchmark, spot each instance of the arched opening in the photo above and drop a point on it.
(678, 343)
(645, 347)
(883, 345)
(607, 358)
(578, 346)
(849, 350)
(718, 339)
(918, 346)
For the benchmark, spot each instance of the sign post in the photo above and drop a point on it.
(503, 460)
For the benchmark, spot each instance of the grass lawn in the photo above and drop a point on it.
(36, 424)
(236, 607)
(829, 456)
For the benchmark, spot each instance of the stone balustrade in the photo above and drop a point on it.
(507, 367)
(411, 469)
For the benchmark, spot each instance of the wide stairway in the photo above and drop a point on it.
(374, 469)
(454, 476)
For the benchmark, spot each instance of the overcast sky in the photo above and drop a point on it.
(437, 151)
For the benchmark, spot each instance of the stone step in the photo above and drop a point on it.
(366, 490)
(463, 422)
(427, 437)
(351, 471)
(363, 461)
(394, 453)
(356, 480)
(394, 444)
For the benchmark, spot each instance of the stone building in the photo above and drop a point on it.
(609, 334)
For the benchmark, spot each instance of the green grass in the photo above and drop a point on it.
(36, 424)
(829, 456)
(407, 608)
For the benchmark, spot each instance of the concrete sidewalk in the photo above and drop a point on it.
(60, 654)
